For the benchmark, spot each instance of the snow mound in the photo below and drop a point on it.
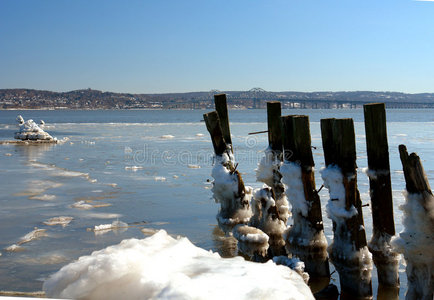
(29, 130)
(161, 267)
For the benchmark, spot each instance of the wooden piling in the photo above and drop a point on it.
(314, 252)
(419, 204)
(222, 111)
(274, 113)
(381, 194)
(288, 138)
(239, 201)
(340, 150)
(280, 209)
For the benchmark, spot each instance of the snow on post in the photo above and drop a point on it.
(416, 241)
(266, 218)
(268, 168)
(305, 238)
(348, 252)
(228, 186)
(268, 173)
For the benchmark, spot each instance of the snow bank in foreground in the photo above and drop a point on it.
(161, 267)
(416, 242)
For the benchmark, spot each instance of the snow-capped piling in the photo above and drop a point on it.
(305, 239)
(348, 252)
(416, 241)
(268, 168)
(228, 186)
(270, 205)
(385, 259)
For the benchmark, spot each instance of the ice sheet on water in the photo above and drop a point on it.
(161, 267)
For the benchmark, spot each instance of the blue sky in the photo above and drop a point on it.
(198, 45)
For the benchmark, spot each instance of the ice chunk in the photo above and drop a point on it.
(64, 221)
(114, 225)
(161, 267)
(33, 235)
(251, 241)
(29, 130)
(191, 166)
(293, 263)
(14, 248)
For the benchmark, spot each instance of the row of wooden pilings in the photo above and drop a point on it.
(289, 138)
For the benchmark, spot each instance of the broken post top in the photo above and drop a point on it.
(339, 144)
(222, 111)
(274, 112)
(212, 122)
(376, 136)
(415, 177)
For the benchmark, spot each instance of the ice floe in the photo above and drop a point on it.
(62, 220)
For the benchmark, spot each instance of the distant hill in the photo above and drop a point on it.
(254, 98)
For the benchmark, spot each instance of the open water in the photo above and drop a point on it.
(151, 170)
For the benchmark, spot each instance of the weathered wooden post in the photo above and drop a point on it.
(349, 252)
(274, 112)
(385, 259)
(270, 206)
(213, 126)
(275, 143)
(416, 242)
(222, 111)
(228, 186)
(306, 238)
